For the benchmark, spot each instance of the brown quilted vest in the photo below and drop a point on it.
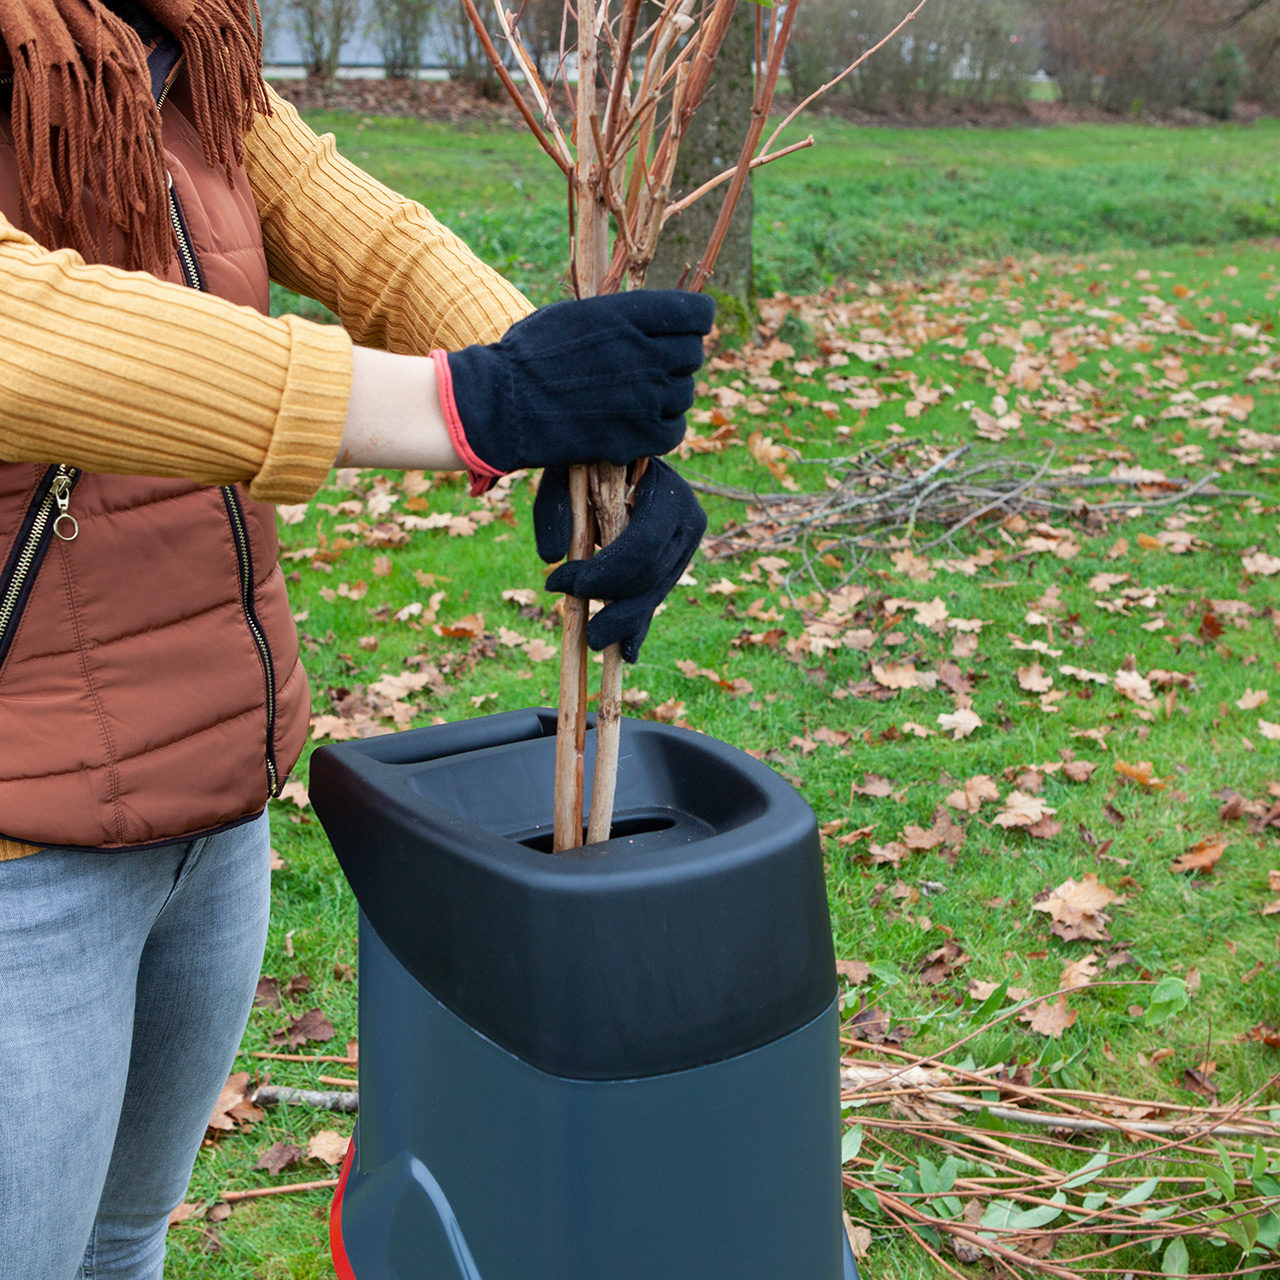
(150, 687)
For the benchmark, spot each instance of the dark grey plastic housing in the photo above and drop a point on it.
(616, 1065)
(697, 932)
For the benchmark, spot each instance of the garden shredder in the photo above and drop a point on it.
(619, 1063)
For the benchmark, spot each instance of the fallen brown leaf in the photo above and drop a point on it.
(1033, 679)
(1078, 770)
(279, 1156)
(1079, 973)
(233, 1110)
(295, 792)
(1022, 810)
(268, 994)
(1202, 856)
(1131, 685)
(311, 1026)
(873, 785)
(960, 723)
(1050, 1019)
(1077, 908)
(918, 838)
(186, 1213)
(895, 675)
(1142, 773)
(939, 965)
(1261, 564)
(976, 790)
(328, 1146)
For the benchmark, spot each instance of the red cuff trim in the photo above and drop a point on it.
(482, 474)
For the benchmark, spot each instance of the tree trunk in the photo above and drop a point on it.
(712, 145)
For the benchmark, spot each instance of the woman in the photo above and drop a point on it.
(151, 411)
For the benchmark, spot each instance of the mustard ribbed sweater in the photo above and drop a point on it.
(271, 407)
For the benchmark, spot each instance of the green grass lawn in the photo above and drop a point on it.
(1121, 348)
(863, 200)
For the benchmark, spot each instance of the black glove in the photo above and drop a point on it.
(602, 380)
(636, 570)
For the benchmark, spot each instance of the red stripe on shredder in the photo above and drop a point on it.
(341, 1264)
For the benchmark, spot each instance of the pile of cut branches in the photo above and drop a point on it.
(893, 488)
(1003, 1164)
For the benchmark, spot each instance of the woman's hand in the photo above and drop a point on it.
(635, 571)
(606, 379)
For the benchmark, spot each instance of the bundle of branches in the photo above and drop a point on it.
(642, 73)
(1035, 1177)
(893, 488)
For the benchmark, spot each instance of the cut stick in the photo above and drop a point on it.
(355, 1084)
(590, 262)
(272, 1095)
(609, 494)
(254, 1193)
(571, 718)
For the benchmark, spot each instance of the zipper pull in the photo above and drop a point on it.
(65, 525)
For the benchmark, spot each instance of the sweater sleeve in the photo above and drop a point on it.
(117, 371)
(396, 277)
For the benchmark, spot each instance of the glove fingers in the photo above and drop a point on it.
(627, 618)
(636, 571)
(553, 515)
(665, 311)
(624, 622)
(631, 566)
(683, 354)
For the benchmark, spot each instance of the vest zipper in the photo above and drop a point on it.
(186, 255)
(38, 526)
(235, 515)
(169, 79)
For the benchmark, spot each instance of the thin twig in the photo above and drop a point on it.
(571, 715)
(679, 206)
(473, 14)
(338, 1058)
(1017, 492)
(256, 1193)
(609, 488)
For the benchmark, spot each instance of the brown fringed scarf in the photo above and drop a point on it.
(84, 119)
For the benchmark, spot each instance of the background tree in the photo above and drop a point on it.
(273, 16)
(322, 28)
(546, 26)
(400, 27)
(464, 53)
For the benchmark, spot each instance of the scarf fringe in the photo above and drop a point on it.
(87, 126)
(223, 44)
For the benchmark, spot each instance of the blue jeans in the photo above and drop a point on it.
(126, 981)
